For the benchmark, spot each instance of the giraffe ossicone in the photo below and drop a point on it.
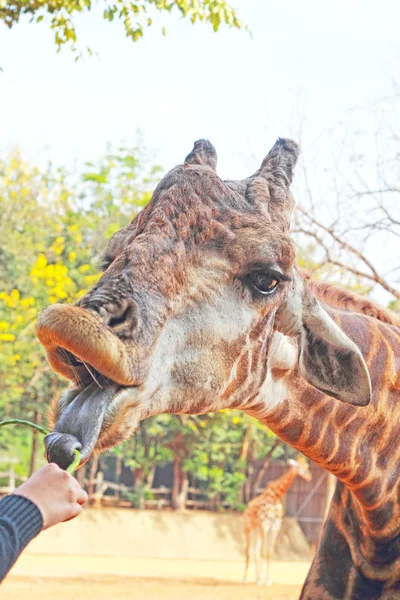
(201, 307)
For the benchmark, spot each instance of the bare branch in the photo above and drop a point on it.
(373, 276)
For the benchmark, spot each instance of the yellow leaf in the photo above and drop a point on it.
(91, 279)
(41, 261)
(27, 302)
(14, 296)
(58, 246)
(7, 337)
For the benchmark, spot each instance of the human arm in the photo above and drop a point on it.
(49, 497)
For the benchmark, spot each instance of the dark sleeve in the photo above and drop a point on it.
(20, 522)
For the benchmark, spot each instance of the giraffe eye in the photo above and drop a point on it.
(265, 283)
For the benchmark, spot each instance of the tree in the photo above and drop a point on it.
(223, 458)
(135, 15)
(143, 453)
(52, 232)
(352, 225)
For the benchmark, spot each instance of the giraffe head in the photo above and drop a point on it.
(300, 464)
(182, 319)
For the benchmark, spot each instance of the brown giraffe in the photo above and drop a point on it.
(263, 517)
(201, 307)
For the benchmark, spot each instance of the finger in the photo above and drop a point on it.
(75, 483)
(75, 486)
(51, 469)
(75, 510)
(82, 497)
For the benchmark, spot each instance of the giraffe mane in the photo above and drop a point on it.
(337, 297)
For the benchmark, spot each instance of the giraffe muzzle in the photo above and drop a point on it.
(66, 331)
(79, 425)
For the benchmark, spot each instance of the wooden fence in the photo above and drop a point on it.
(12, 478)
(306, 501)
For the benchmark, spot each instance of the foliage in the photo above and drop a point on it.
(136, 497)
(220, 456)
(53, 230)
(148, 448)
(135, 15)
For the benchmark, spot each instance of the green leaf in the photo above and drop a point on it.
(133, 14)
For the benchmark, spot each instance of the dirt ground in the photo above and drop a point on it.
(80, 578)
(123, 588)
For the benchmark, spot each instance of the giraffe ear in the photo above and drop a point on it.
(329, 360)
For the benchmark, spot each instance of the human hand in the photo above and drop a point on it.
(56, 493)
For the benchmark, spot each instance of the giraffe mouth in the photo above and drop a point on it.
(80, 347)
(79, 425)
(75, 340)
(85, 418)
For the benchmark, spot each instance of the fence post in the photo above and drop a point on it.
(310, 494)
(98, 489)
(11, 479)
(99, 482)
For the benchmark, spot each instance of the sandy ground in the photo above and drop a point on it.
(79, 578)
(121, 588)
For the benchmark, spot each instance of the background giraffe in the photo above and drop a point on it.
(263, 518)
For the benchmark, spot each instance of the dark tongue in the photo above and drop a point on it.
(79, 425)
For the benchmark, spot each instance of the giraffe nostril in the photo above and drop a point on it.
(122, 316)
(120, 319)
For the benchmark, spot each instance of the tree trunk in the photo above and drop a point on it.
(80, 476)
(32, 464)
(138, 476)
(118, 471)
(176, 484)
(150, 477)
(260, 475)
(94, 463)
(183, 494)
(246, 442)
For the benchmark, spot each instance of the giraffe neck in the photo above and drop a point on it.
(357, 444)
(277, 488)
(360, 445)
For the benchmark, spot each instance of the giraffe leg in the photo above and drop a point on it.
(270, 541)
(258, 556)
(268, 552)
(247, 535)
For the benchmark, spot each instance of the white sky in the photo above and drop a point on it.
(309, 62)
